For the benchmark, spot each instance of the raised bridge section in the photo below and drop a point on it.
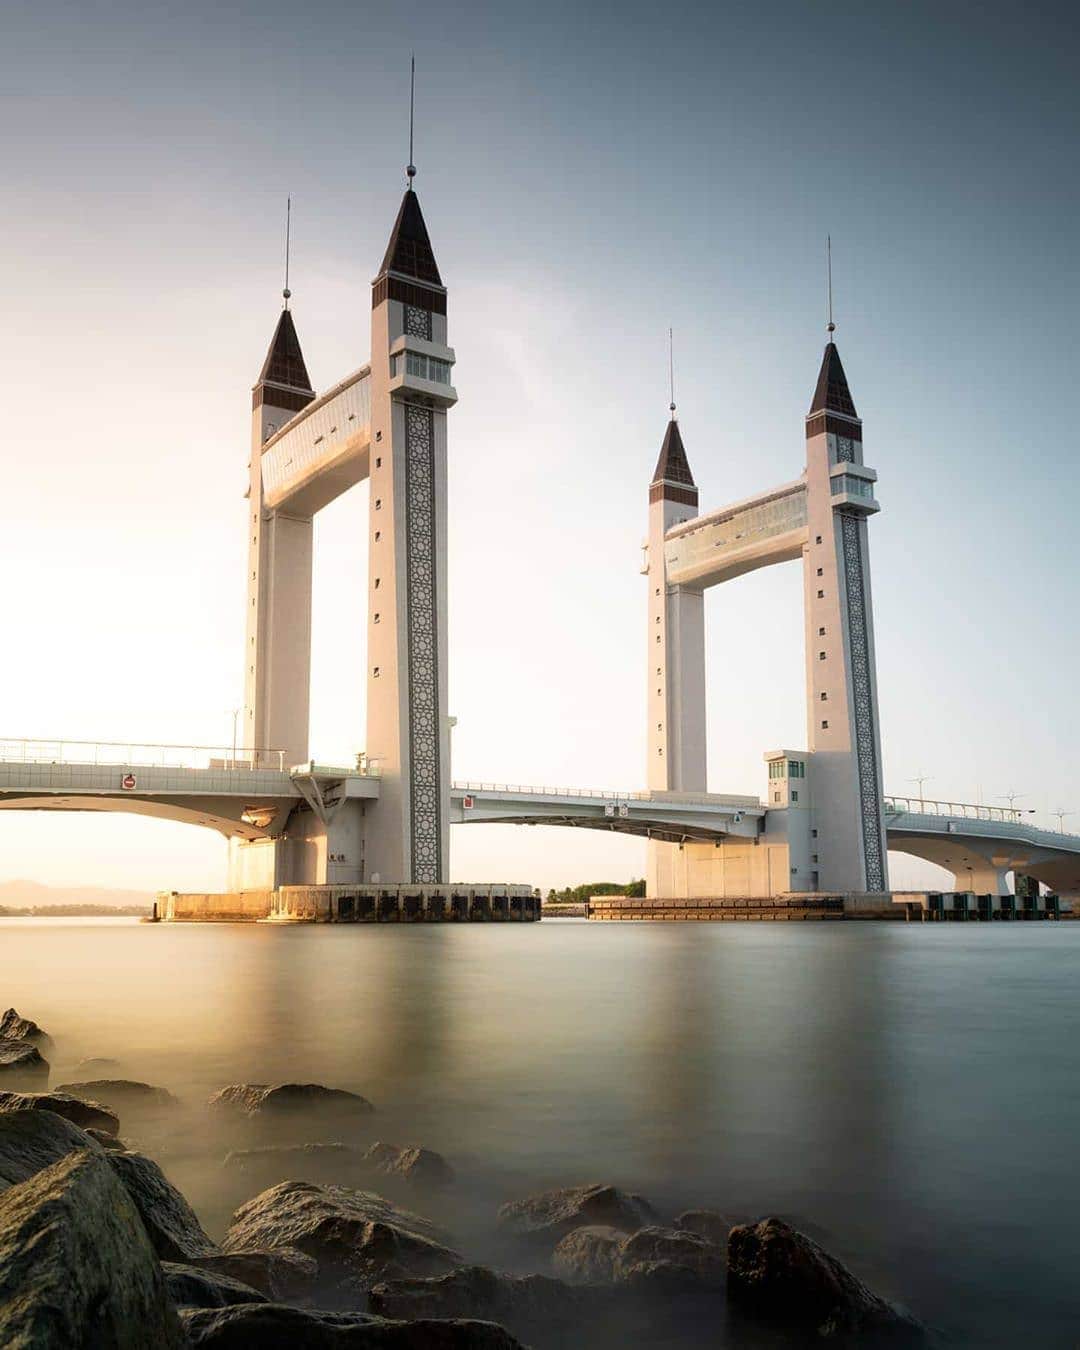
(725, 543)
(321, 451)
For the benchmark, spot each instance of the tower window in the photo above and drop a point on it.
(821, 595)
(794, 795)
(375, 618)
(378, 536)
(817, 541)
(819, 572)
(375, 672)
(824, 698)
(821, 632)
(821, 656)
(824, 726)
(378, 507)
(658, 618)
(813, 835)
(376, 583)
(378, 461)
(657, 636)
(776, 796)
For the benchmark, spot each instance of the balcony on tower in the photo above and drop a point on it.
(423, 369)
(853, 487)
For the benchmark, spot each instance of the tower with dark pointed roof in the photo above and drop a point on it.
(676, 657)
(277, 641)
(407, 719)
(843, 730)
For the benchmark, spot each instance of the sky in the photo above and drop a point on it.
(590, 175)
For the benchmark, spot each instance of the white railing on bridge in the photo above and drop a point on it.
(605, 794)
(923, 806)
(132, 754)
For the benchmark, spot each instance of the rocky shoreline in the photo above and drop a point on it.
(98, 1247)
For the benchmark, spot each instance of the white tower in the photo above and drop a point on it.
(277, 641)
(407, 723)
(841, 679)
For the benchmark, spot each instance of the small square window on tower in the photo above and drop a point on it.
(824, 697)
(824, 726)
(817, 541)
(820, 572)
(821, 656)
(821, 595)
(821, 632)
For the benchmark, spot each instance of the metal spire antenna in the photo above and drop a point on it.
(410, 170)
(830, 327)
(286, 294)
(671, 368)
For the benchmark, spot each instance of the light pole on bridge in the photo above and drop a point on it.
(921, 778)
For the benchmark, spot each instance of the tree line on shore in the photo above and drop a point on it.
(577, 895)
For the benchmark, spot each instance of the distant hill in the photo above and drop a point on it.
(33, 895)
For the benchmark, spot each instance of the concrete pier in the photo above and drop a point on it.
(918, 906)
(358, 904)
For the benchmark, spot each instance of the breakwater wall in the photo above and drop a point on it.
(891, 906)
(357, 904)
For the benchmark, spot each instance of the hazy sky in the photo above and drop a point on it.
(590, 174)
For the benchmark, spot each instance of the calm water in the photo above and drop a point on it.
(909, 1093)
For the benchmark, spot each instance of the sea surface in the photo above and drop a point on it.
(908, 1093)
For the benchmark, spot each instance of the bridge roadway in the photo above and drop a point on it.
(219, 789)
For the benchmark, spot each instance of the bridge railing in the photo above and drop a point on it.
(230, 758)
(923, 806)
(600, 794)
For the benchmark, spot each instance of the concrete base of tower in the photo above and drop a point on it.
(755, 868)
(457, 903)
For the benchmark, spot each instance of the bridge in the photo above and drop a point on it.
(824, 823)
(251, 797)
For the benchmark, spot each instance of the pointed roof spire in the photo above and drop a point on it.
(409, 252)
(284, 364)
(832, 393)
(672, 465)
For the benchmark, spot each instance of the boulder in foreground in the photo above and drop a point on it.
(16, 1028)
(22, 1060)
(357, 1237)
(170, 1222)
(783, 1276)
(272, 1326)
(555, 1213)
(421, 1166)
(525, 1303)
(30, 1141)
(587, 1255)
(284, 1275)
(285, 1099)
(121, 1094)
(669, 1261)
(87, 1115)
(191, 1287)
(76, 1268)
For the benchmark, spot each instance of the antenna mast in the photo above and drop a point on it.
(671, 368)
(286, 294)
(410, 171)
(831, 327)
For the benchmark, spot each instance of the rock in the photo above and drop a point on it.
(76, 1268)
(283, 1275)
(357, 1237)
(121, 1093)
(523, 1303)
(422, 1166)
(170, 1222)
(708, 1223)
(669, 1261)
(190, 1287)
(96, 1066)
(272, 1326)
(555, 1213)
(108, 1141)
(16, 1028)
(22, 1059)
(294, 1160)
(86, 1115)
(33, 1140)
(587, 1255)
(284, 1099)
(780, 1274)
